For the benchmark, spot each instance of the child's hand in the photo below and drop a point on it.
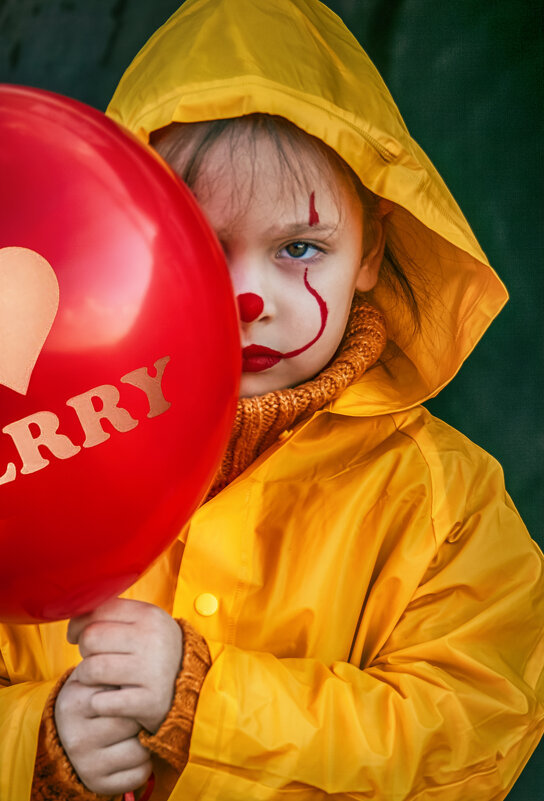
(105, 752)
(131, 656)
(134, 647)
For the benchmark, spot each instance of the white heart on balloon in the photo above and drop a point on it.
(29, 300)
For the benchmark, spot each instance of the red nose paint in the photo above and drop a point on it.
(250, 306)
(314, 216)
(256, 358)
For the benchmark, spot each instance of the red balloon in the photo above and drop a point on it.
(119, 356)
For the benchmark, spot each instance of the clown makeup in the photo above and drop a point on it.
(250, 306)
(314, 216)
(295, 249)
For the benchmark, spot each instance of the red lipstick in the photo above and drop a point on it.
(256, 358)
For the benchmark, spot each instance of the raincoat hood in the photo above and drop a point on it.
(295, 58)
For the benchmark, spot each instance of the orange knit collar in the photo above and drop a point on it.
(261, 419)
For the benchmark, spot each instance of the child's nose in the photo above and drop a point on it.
(250, 306)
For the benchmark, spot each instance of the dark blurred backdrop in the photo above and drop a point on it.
(467, 76)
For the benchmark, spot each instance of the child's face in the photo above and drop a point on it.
(295, 257)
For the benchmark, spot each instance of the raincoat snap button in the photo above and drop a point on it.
(206, 604)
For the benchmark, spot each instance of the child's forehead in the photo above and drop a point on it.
(258, 170)
(263, 157)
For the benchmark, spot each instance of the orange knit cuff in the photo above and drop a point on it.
(172, 740)
(54, 776)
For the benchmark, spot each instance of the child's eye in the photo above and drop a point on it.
(300, 250)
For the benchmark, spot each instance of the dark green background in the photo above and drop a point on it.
(467, 76)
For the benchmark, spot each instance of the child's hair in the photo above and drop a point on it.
(186, 145)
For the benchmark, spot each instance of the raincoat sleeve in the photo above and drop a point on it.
(449, 708)
(21, 707)
(28, 674)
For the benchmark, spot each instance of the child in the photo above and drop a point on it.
(356, 610)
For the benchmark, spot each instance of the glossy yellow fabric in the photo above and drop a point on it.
(380, 604)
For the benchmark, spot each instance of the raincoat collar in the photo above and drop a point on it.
(295, 58)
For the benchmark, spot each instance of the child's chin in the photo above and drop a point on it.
(252, 384)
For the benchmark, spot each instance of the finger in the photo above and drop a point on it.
(88, 687)
(120, 610)
(124, 766)
(155, 636)
(75, 700)
(109, 669)
(109, 731)
(108, 637)
(97, 733)
(139, 703)
(122, 782)
(132, 702)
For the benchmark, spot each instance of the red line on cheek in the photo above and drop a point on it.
(263, 351)
(314, 216)
(324, 314)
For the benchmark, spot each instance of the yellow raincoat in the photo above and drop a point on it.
(372, 602)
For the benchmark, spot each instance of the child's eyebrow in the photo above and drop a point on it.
(296, 229)
(288, 231)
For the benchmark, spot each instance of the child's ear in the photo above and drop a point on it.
(373, 256)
